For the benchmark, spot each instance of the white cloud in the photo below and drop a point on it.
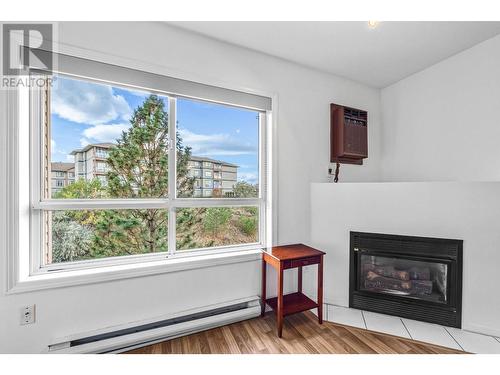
(84, 142)
(215, 144)
(88, 103)
(104, 133)
(54, 149)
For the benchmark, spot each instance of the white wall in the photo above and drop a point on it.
(302, 112)
(442, 124)
(457, 210)
(437, 125)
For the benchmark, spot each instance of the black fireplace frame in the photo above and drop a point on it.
(449, 251)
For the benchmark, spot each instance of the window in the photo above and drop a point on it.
(101, 153)
(101, 167)
(132, 198)
(195, 173)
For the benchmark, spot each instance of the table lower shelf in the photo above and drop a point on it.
(293, 303)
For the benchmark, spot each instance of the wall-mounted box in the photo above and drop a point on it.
(348, 135)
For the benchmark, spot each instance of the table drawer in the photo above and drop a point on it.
(301, 262)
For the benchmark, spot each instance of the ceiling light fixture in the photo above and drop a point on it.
(372, 24)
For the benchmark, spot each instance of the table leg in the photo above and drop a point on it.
(320, 291)
(263, 295)
(299, 283)
(279, 312)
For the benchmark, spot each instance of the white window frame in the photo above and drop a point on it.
(40, 205)
(15, 139)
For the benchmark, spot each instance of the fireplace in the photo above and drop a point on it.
(413, 277)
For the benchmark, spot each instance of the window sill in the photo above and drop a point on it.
(128, 271)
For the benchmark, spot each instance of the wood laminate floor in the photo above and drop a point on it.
(301, 335)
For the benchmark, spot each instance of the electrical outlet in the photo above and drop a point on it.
(28, 315)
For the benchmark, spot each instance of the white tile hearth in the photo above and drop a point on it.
(425, 332)
(346, 316)
(475, 342)
(391, 325)
(431, 333)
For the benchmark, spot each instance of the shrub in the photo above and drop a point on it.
(248, 225)
(70, 240)
(252, 210)
(216, 218)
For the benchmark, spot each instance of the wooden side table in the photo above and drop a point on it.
(285, 257)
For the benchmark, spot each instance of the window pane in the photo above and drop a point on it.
(91, 234)
(216, 226)
(218, 150)
(106, 141)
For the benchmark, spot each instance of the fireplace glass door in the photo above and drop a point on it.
(410, 278)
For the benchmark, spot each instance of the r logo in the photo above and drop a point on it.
(16, 59)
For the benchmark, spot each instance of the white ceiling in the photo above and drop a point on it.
(376, 57)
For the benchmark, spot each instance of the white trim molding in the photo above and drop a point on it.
(127, 271)
(9, 174)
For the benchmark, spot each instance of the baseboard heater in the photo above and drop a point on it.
(131, 336)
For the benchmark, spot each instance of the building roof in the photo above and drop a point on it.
(201, 158)
(58, 166)
(89, 146)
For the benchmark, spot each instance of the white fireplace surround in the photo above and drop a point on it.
(459, 210)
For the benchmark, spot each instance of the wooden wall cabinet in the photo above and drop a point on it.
(348, 135)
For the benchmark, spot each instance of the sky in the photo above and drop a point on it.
(84, 112)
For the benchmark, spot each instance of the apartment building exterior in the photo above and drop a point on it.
(90, 161)
(213, 178)
(61, 175)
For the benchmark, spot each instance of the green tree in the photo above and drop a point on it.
(138, 168)
(243, 189)
(185, 184)
(82, 189)
(138, 164)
